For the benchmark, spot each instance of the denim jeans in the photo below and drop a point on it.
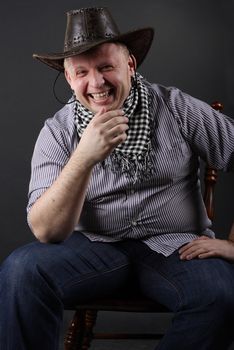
(39, 280)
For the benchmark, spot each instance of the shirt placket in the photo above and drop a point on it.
(133, 202)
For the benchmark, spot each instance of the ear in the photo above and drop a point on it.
(67, 76)
(132, 64)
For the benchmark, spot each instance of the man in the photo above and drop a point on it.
(114, 195)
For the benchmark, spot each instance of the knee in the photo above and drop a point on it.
(216, 296)
(20, 265)
(222, 288)
(223, 297)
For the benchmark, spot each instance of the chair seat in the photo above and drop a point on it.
(132, 304)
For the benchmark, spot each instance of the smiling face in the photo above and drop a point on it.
(101, 77)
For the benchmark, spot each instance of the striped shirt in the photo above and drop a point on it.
(164, 211)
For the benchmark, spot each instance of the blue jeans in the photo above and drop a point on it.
(39, 280)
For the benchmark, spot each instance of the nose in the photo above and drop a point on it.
(96, 79)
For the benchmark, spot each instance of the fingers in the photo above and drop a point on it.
(199, 248)
(105, 132)
(206, 255)
(203, 237)
(205, 247)
(191, 252)
(117, 130)
(111, 125)
(103, 115)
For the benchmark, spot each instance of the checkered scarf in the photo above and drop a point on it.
(132, 156)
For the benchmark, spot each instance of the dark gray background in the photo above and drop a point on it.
(193, 50)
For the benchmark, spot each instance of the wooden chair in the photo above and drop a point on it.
(80, 332)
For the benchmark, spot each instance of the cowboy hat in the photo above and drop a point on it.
(89, 27)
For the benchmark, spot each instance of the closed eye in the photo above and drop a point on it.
(106, 68)
(80, 73)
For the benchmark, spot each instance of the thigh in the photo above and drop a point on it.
(77, 268)
(182, 284)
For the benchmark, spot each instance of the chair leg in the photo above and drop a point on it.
(80, 331)
(75, 330)
(90, 320)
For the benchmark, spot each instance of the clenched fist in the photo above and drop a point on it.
(104, 133)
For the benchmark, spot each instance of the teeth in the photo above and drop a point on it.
(100, 95)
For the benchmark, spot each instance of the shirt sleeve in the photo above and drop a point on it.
(51, 152)
(209, 133)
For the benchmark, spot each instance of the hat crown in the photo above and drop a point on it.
(89, 25)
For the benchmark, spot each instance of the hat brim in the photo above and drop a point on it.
(138, 42)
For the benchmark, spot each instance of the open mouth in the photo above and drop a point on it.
(99, 96)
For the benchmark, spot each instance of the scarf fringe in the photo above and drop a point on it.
(134, 167)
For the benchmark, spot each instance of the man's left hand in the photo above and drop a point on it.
(205, 247)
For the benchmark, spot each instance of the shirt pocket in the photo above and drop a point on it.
(172, 161)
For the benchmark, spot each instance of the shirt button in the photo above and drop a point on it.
(132, 191)
(134, 223)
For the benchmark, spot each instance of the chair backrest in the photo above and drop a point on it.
(210, 178)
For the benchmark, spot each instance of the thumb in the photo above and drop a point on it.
(101, 111)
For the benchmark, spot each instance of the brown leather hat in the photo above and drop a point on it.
(89, 27)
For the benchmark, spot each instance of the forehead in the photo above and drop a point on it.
(110, 51)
